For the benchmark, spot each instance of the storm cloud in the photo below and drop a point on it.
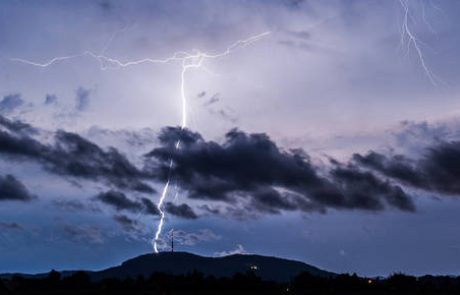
(251, 167)
(16, 126)
(366, 191)
(182, 210)
(12, 189)
(120, 202)
(437, 170)
(127, 223)
(72, 155)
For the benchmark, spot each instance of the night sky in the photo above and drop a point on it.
(331, 137)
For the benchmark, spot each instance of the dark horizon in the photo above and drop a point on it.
(183, 273)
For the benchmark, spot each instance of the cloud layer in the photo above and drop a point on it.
(182, 210)
(437, 170)
(72, 155)
(252, 168)
(120, 202)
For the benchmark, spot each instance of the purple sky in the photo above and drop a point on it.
(353, 168)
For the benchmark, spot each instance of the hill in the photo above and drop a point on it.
(182, 263)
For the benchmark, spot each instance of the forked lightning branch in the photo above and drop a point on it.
(188, 61)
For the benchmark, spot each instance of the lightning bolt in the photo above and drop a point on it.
(188, 61)
(408, 39)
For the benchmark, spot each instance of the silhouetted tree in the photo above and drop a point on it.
(402, 283)
(3, 288)
(53, 280)
(242, 283)
(78, 281)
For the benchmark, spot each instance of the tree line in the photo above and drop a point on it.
(247, 283)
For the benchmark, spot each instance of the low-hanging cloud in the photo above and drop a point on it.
(12, 189)
(126, 223)
(367, 191)
(17, 127)
(437, 170)
(120, 202)
(72, 155)
(182, 210)
(251, 167)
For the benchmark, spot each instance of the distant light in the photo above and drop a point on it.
(254, 267)
(369, 282)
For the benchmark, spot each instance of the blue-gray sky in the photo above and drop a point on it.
(353, 168)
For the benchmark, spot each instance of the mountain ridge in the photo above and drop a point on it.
(182, 263)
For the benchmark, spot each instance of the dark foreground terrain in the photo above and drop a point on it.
(184, 273)
(248, 283)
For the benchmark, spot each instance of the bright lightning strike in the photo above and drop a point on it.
(409, 39)
(188, 61)
(164, 193)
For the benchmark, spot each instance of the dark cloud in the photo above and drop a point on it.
(133, 229)
(10, 103)
(252, 168)
(82, 99)
(397, 167)
(13, 190)
(126, 223)
(364, 190)
(73, 155)
(16, 126)
(149, 207)
(272, 201)
(120, 202)
(210, 209)
(242, 163)
(437, 170)
(22, 146)
(182, 211)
